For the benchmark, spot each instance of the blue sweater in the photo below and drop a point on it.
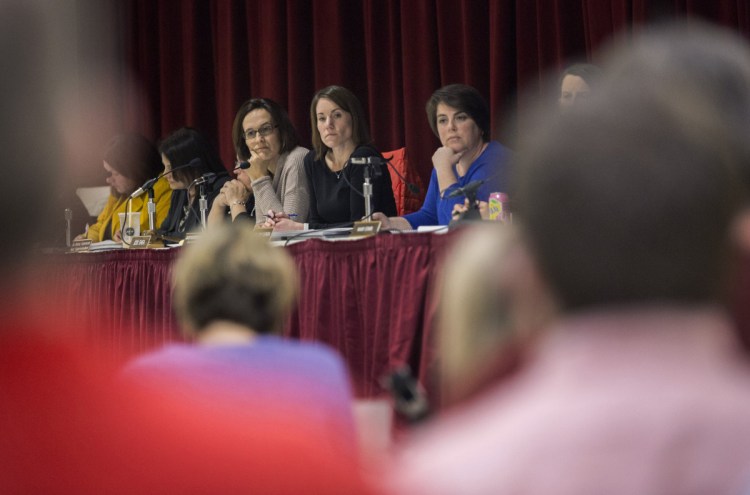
(492, 164)
(304, 379)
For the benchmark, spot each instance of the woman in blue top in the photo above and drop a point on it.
(460, 117)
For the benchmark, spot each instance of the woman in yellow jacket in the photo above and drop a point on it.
(130, 160)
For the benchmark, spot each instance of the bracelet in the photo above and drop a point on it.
(241, 203)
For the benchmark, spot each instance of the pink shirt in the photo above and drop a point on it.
(649, 402)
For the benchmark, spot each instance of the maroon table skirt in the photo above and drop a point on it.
(370, 299)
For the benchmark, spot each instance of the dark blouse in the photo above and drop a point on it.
(336, 197)
(183, 218)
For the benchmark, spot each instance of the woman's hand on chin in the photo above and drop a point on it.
(444, 158)
(259, 166)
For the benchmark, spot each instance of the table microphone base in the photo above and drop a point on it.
(154, 240)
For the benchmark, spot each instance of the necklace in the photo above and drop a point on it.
(337, 172)
(330, 164)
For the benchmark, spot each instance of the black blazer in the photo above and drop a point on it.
(181, 218)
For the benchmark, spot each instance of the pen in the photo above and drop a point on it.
(291, 215)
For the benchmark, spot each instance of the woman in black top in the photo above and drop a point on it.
(182, 147)
(339, 133)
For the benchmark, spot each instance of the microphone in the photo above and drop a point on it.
(469, 189)
(370, 160)
(366, 160)
(375, 162)
(195, 162)
(207, 177)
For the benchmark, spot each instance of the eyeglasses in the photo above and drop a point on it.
(264, 131)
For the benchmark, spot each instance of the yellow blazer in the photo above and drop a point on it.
(109, 221)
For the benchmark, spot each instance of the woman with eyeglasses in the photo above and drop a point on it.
(339, 133)
(269, 165)
(187, 156)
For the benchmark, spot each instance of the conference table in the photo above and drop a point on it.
(371, 299)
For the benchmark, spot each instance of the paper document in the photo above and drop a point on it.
(105, 245)
(310, 233)
(93, 198)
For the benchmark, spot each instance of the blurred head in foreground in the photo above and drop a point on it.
(492, 303)
(27, 112)
(629, 198)
(234, 275)
(702, 63)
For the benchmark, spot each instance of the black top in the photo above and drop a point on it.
(181, 218)
(336, 197)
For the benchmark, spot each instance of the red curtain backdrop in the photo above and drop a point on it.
(195, 61)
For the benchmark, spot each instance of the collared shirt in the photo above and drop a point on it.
(653, 401)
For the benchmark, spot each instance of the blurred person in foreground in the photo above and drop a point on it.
(65, 426)
(267, 144)
(233, 292)
(492, 307)
(640, 385)
(460, 117)
(130, 160)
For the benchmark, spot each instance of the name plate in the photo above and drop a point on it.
(80, 246)
(365, 228)
(140, 242)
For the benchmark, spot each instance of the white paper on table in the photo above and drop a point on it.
(105, 245)
(93, 198)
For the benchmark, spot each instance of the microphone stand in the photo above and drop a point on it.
(151, 210)
(470, 215)
(367, 192)
(68, 219)
(203, 204)
(473, 211)
(151, 232)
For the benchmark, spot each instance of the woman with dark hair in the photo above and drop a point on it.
(339, 133)
(269, 164)
(576, 83)
(183, 147)
(130, 160)
(460, 117)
